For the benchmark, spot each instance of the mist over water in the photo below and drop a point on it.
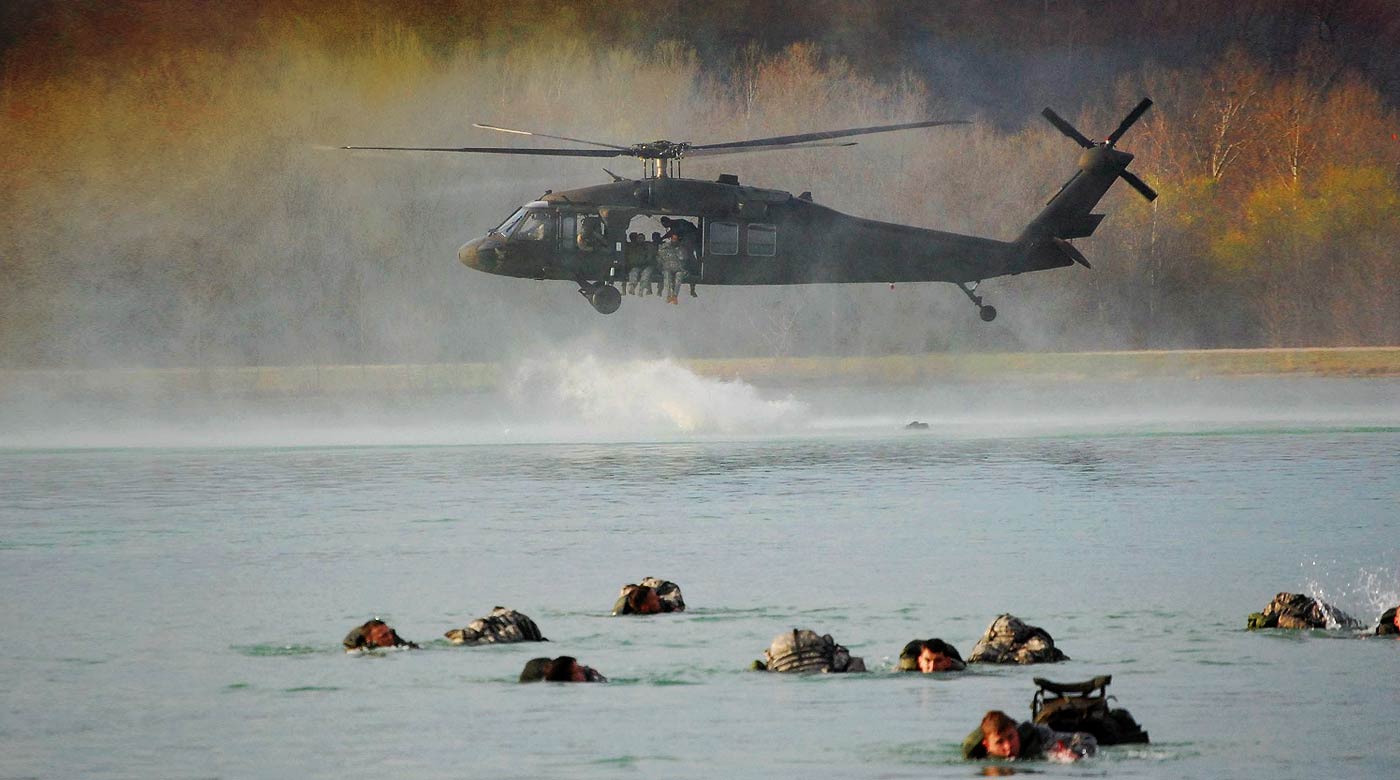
(579, 394)
(643, 398)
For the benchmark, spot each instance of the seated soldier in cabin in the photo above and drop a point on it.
(803, 651)
(999, 736)
(1298, 611)
(689, 236)
(372, 634)
(671, 257)
(1010, 641)
(641, 262)
(651, 597)
(562, 669)
(929, 656)
(1389, 622)
(500, 627)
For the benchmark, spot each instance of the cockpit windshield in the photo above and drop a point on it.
(534, 226)
(505, 227)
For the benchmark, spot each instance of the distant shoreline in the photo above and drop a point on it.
(448, 378)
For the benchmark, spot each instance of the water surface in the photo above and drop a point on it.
(179, 609)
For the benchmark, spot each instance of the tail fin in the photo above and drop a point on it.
(1045, 241)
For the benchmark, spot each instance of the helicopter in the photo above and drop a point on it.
(754, 236)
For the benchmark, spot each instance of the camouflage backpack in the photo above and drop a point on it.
(1083, 706)
(804, 651)
(1300, 611)
(500, 627)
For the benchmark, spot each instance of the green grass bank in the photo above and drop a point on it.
(449, 378)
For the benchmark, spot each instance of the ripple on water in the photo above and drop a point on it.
(276, 651)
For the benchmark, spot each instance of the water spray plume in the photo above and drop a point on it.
(646, 397)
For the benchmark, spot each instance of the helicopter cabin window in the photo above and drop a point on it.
(567, 226)
(762, 239)
(724, 238)
(534, 227)
(592, 233)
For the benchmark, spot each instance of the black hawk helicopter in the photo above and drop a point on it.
(752, 236)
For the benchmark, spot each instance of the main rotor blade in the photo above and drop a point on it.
(546, 135)
(824, 135)
(708, 152)
(1129, 120)
(1139, 185)
(497, 150)
(1067, 128)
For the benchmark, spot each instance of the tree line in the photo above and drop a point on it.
(175, 198)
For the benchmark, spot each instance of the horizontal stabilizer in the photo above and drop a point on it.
(1073, 252)
(1081, 226)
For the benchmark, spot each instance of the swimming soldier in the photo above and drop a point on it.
(1299, 611)
(803, 651)
(650, 597)
(372, 634)
(562, 669)
(929, 656)
(1010, 641)
(1389, 622)
(1001, 737)
(502, 626)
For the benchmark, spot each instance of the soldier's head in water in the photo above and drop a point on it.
(566, 669)
(374, 633)
(999, 735)
(935, 655)
(644, 600)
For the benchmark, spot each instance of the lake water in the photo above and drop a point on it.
(176, 607)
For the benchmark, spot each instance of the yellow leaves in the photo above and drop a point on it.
(1347, 202)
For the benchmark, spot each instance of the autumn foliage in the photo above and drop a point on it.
(166, 202)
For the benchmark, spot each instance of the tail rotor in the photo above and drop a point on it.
(1074, 135)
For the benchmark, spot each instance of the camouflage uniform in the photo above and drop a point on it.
(1295, 610)
(1010, 641)
(669, 593)
(673, 257)
(640, 259)
(500, 627)
(804, 651)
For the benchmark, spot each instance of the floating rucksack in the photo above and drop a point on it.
(1083, 706)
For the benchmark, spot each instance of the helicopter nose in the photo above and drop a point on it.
(468, 254)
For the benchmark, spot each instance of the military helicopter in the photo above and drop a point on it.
(754, 236)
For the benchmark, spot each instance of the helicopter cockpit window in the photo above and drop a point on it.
(724, 238)
(534, 227)
(762, 240)
(505, 227)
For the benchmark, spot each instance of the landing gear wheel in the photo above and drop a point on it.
(605, 298)
(987, 313)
